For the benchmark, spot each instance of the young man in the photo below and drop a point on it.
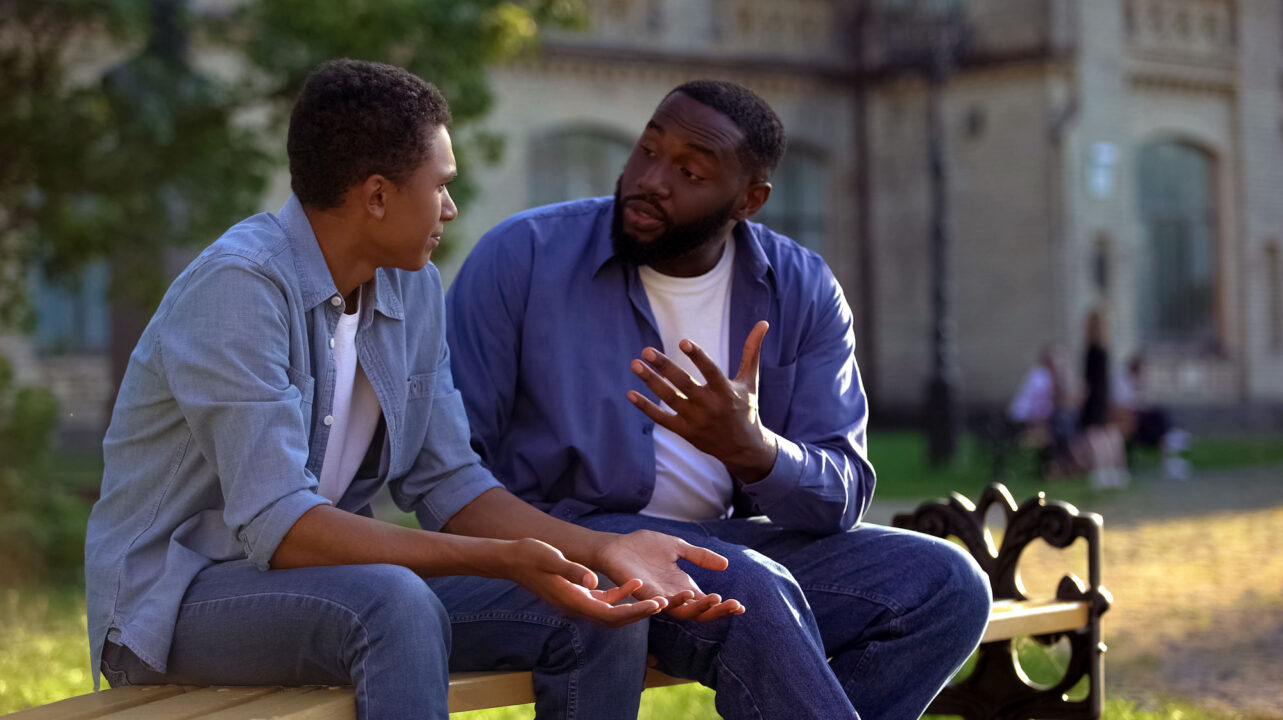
(293, 369)
(564, 316)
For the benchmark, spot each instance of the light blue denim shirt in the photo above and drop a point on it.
(220, 427)
(545, 320)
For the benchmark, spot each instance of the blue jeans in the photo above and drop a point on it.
(875, 620)
(389, 633)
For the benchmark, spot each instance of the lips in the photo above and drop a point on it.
(642, 215)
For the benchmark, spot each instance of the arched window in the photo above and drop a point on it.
(576, 163)
(799, 198)
(1178, 213)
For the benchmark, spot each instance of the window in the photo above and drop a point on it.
(72, 315)
(799, 199)
(577, 163)
(1179, 266)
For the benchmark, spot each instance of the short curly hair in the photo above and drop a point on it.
(764, 138)
(354, 119)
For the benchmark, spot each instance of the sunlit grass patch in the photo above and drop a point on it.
(45, 655)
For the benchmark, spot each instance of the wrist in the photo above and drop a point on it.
(756, 462)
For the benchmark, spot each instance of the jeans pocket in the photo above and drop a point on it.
(110, 661)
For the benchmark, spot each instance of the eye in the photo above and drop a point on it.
(647, 151)
(691, 176)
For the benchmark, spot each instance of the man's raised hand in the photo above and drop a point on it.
(719, 417)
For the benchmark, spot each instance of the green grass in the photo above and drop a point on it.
(45, 655)
(904, 473)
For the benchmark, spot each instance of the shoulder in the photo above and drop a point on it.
(576, 218)
(796, 268)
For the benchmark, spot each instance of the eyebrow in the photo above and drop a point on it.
(702, 149)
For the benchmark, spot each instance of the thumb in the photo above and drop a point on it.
(752, 355)
(703, 557)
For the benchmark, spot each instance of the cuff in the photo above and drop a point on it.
(784, 477)
(450, 495)
(262, 536)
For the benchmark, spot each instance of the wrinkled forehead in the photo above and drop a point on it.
(697, 124)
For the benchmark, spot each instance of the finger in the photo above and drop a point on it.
(654, 412)
(574, 599)
(671, 372)
(752, 355)
(713, 375)
(577, 574)
(726, 608)
(658, 384)
(703, 557)
(695, 608)
(615, 594)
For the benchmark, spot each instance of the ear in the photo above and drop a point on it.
(374, 196)
(754, 198)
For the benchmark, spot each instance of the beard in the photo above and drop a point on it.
(676, 241)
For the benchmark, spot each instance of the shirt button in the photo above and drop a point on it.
(329, 420)
(646, 430)
(336, 301)
(331, 342)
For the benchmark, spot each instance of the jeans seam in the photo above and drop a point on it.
(536, 618)
(752, 701)
(324, 601)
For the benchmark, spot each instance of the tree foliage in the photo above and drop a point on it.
(153, 150)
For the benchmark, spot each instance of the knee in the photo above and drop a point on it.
(402, 605)
(962, 586)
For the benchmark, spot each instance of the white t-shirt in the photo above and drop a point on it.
(689, 484)
(355, 416)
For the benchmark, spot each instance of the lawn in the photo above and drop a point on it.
(44, 656)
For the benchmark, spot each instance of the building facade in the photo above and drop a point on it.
(1115, 154)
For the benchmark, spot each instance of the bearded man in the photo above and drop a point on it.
(734, 347)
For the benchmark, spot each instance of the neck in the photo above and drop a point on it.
(697, 261)
(339, 237)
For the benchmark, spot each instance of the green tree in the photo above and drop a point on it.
(155, 152)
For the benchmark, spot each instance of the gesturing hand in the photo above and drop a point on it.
(719, 417)
(571, 587)
(653, 556)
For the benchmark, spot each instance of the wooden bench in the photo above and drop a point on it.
(995, 688)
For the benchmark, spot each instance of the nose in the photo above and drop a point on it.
(448, 209)
(652, 180)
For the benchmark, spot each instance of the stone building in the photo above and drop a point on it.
(1125, 154)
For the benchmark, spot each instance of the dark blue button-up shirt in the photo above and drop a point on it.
(544, 320)
(219, 430)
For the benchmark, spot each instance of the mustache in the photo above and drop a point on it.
(651, 203)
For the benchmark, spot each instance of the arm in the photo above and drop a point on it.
(812, 472)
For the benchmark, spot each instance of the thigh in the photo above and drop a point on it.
(239, 625)
(869, 576)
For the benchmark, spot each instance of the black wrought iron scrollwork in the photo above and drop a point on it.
(997, 688)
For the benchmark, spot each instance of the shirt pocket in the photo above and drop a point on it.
(307, 391)
(419, 398)
(775, 394)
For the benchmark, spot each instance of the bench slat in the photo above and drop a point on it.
(312, 703)
(96, 705)
(193, 704)
(1010, 618)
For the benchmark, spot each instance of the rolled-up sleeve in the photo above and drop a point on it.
(233, 387)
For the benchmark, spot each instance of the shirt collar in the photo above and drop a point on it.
(315, 281)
